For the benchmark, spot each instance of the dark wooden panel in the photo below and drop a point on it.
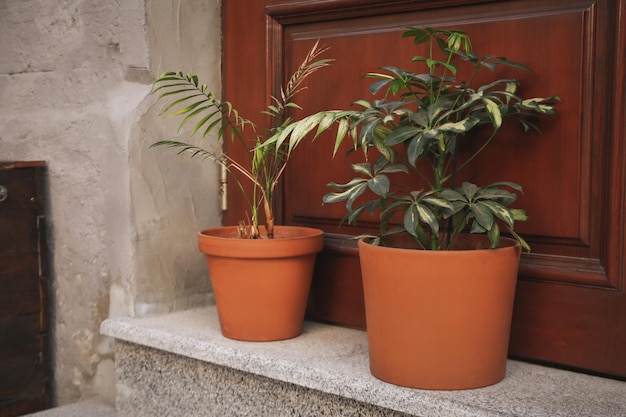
(337, 289)
(566, 181)
(24, 385)
(236, 86)
(20, 292)
(584, 317)
(19, 334)
(571, 300)
(24, 381)
(18, 213)
(18, 232)
(20, 407)
(21, 377)
(24, 369)
(23, 193)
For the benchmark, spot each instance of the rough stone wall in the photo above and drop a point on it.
(75, 78)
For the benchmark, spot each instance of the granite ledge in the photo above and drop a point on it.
(334, 360)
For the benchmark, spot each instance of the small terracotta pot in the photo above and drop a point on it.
(439, 319)
(261, 286)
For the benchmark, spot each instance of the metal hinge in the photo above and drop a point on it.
(223, 187)
(4, 193)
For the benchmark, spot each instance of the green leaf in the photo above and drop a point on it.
(354, 215)
(393, 168)
(350, 194)
(303, 128)
(210, 128)
(196, 112)
(449, 67)
(504, 197)
(334, 197)
(419, 36)
(456, 39)
(420, 117)
(178, 101)
(293, 105)
(401, 134)
(509, 184)
(504, 61)
(363, 103)
(367, 132)
(477, 228)
(437, 107)
(511, 87)
(416, 149)
(364, 168)
(494, 112)
(188, 148)
(376, 86)
(352, 183)
(539, 105)
(520, 240)
(500, 211)
(451, 195)
(355, 193)
(281, 136)
(461, 126)
(494, 235)
(439, 202)
(427, 216)
(483, 215)
(172, 85)
(379, 185)
(380, 164)
(327, 120)
(411, 220)
(342, 130)
(519, 215)
(469, 190)
(200, 123)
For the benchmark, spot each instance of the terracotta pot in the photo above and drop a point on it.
(439, 319)
(261, 285)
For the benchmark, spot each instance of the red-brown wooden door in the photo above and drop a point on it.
(570, 304)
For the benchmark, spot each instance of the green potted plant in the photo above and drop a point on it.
(438, 300)
(260, 274)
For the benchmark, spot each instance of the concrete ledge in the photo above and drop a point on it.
(152, 382)
(88, 408)
(333, 360)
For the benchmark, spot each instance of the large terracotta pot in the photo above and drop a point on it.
(261, 285)
(439, 319)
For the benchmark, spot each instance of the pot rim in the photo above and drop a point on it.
(505, 243)
(293, 233)
(298, 241)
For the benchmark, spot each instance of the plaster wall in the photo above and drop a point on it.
(75, 78)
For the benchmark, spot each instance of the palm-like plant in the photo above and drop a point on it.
(427, 114)
(268, 157)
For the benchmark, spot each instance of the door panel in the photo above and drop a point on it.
(570, 305)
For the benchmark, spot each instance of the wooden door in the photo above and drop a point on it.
(570, 304)
(24, 364)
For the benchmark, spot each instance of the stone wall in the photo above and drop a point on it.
(75, 80)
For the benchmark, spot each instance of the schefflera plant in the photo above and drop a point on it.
(428, 114)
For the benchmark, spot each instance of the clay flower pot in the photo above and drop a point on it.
(261, 286)
(439, 319)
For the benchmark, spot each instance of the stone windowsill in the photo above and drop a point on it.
(334, 360)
